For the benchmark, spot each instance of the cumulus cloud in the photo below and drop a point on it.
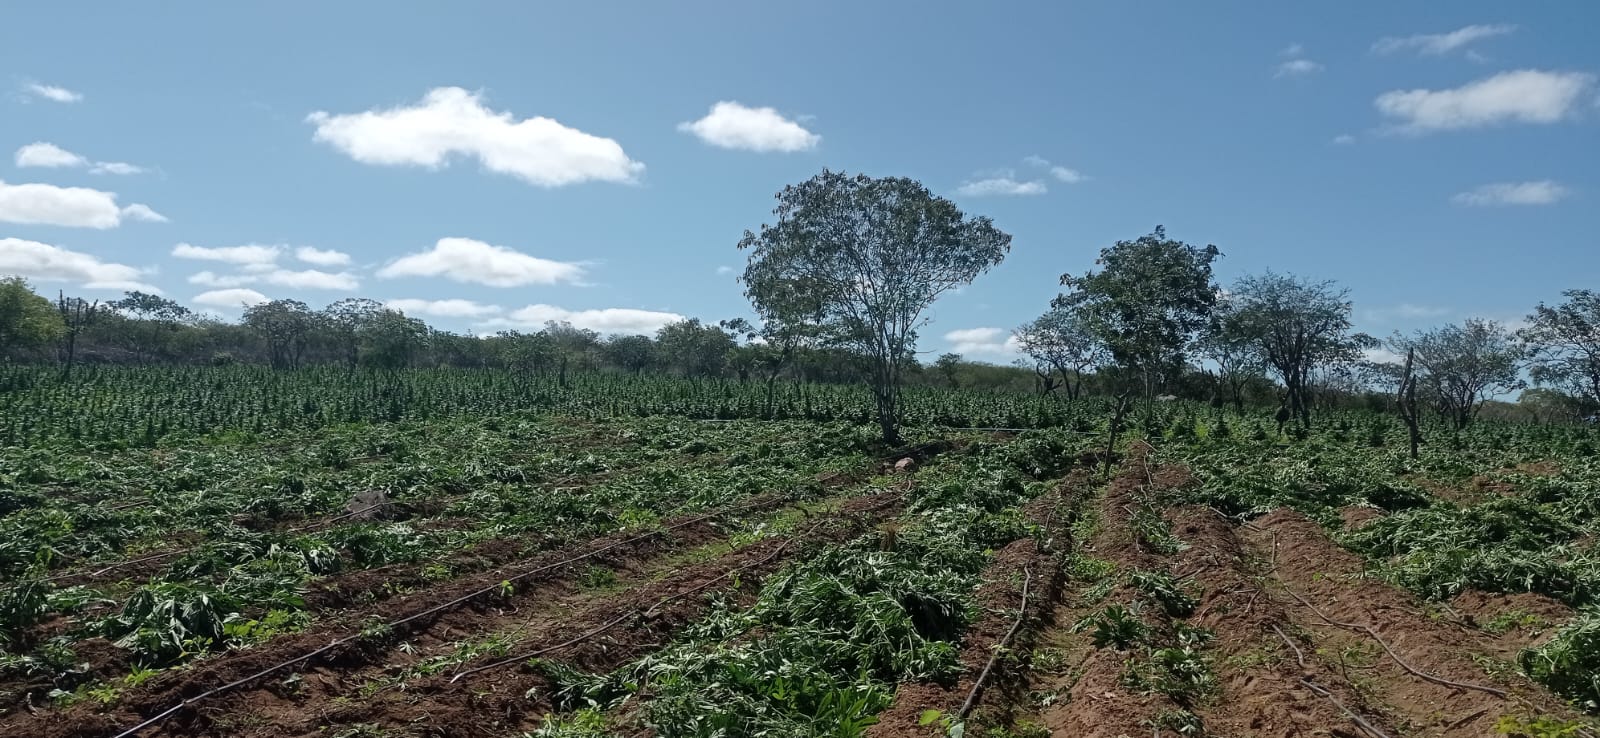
(52, 92)
(452, 122)
(1435, 44)
(49, 263)
(1001, 185)
(321, 257)
(212, 279)
(1522, 96)
(1541, 192)
(468, 260)
(602, 320)
(75, 207)
(230, 299)
(311, 279)
(1296, 68)
(731, 125)
(1344, 139)
(46, 154)
(251, 254)
(725, 270)
(982, 341)
(453, 308)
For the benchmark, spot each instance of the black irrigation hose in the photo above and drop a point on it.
(1000, 648)
(164, 714)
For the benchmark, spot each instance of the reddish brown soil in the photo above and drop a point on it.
(1524, 619)
(1305, 563)
(551, 605)
(1356, 517)
(1000, 597)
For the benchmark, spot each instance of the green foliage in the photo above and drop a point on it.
(1569, 663)
(1167, 592)
(1116, 626)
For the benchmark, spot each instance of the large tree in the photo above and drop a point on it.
(1463, 365)
(694, 348)
(27, 319)
(153, 322)
(1235, 355)
(869, 255)
(1564, 345)
(1299, 326)
(286, 326)
(1146, 303)
(1058, 342)
(346, 320)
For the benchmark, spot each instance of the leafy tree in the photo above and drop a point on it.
(1237, 355)
(345, 320)
(1298, 326)
(1564, 344)
(861, 259)
(631, 353)
(1546, 405)
(286, 326)
(1059, 343)
(1463, 365)
(570, 345)
(391, 340)
(153, 322)
(694, 348)
(27, 320)
(948, 365)
(1147, 302)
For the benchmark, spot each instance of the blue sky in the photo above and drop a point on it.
(496, 165)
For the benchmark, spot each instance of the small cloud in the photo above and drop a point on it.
(1344, 139)
(982, 341)
(115, 167)
(454, 308)
(311, 279)
(1542, 192)
(230, 299)
(52, 92)
(451, 122)
(468, 260)
(1522, 96)
(251, 254)
(1404, 311)
(72, 207)
(141, 211)
(45, 262)
(602, 320)
(1060, 173)
(1001, 186)
(724, 270)
(321, 257)
(731, 125)
(1292, 50)
(42, 154)
(1297, 68)
(1435, 44)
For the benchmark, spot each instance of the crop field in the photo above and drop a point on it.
(232, 551)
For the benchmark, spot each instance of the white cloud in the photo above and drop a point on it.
(1344, 139)
(231, 298)
(1381, 355)
(141, 211)
(1441, 43)
(467, 260)
(724, 270)
(734, 126)
(992, 341)
(309, 279)
(52, 92)
(321, 257)
(1060, 173)
(1292, 50)
(212, 279)
(454, 308)
(1297, 68)
(1542, 192)
(115, 167)
(251, 254)
(1002, 185)
(1405, 311)
(603, 320)
(45, 262)
(42, 204)
(451, 121)
(1522, 96)
(1070, 176)
(44, 154)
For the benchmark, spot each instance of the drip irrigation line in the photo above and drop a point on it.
(1357, 719)
(337, 642)
(1000, 648)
